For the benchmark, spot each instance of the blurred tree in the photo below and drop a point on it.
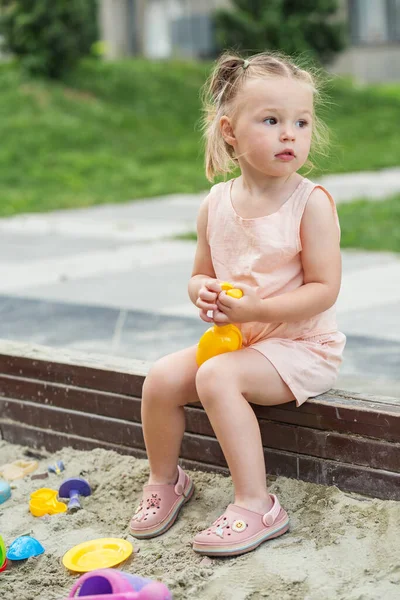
(308, 27)
(48, 36)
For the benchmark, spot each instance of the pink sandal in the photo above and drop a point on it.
(240, 530)
(160, 506)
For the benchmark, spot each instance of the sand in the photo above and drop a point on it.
(340, 545)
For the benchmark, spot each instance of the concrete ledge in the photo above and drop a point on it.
(55, 398)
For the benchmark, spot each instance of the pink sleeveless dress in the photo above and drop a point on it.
(265, 253)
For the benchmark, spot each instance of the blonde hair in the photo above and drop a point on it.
(222, 89)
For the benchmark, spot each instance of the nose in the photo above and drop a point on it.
(287, 133)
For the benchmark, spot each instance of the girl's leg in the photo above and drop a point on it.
(225, 385)
(169, 385)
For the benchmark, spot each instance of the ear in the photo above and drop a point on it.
(227, 130)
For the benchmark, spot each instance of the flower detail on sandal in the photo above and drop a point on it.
(219, 528)
(239, 526)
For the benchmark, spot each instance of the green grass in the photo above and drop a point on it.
(113, 132)
(370, 225)
(362, 121)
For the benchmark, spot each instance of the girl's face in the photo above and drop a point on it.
(274, 115)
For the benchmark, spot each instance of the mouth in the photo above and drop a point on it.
(287, 152)
(286, 155)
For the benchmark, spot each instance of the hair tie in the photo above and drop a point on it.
(245, 64)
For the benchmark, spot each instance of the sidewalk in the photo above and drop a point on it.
(110, 279)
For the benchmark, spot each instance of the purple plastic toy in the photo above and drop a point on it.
(108, 584)
(73, 488)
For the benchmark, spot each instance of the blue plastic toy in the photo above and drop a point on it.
(5, 491)
(57, 468)
(24, 547)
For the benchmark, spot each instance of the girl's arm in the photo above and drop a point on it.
(203, 286)
(322, 266)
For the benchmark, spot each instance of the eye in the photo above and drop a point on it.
(302, 123)
(269, 119)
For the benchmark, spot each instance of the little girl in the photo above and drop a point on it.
(275, 235)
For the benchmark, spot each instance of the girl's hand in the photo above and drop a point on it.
(207, 299)
(238, 310)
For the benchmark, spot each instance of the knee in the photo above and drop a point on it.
(212, 377)
(161, 382)
(165, 384)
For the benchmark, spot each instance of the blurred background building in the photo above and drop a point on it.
(159, 29)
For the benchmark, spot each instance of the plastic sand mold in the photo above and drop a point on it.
(18, 469)
(44, 502)
(24, 547)
(97, 554)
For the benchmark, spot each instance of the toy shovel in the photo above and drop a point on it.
(72, 489)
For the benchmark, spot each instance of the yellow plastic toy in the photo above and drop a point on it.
(44, 502)
(102, 553)
(220, 338)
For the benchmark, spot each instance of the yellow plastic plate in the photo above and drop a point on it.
(97, 554)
